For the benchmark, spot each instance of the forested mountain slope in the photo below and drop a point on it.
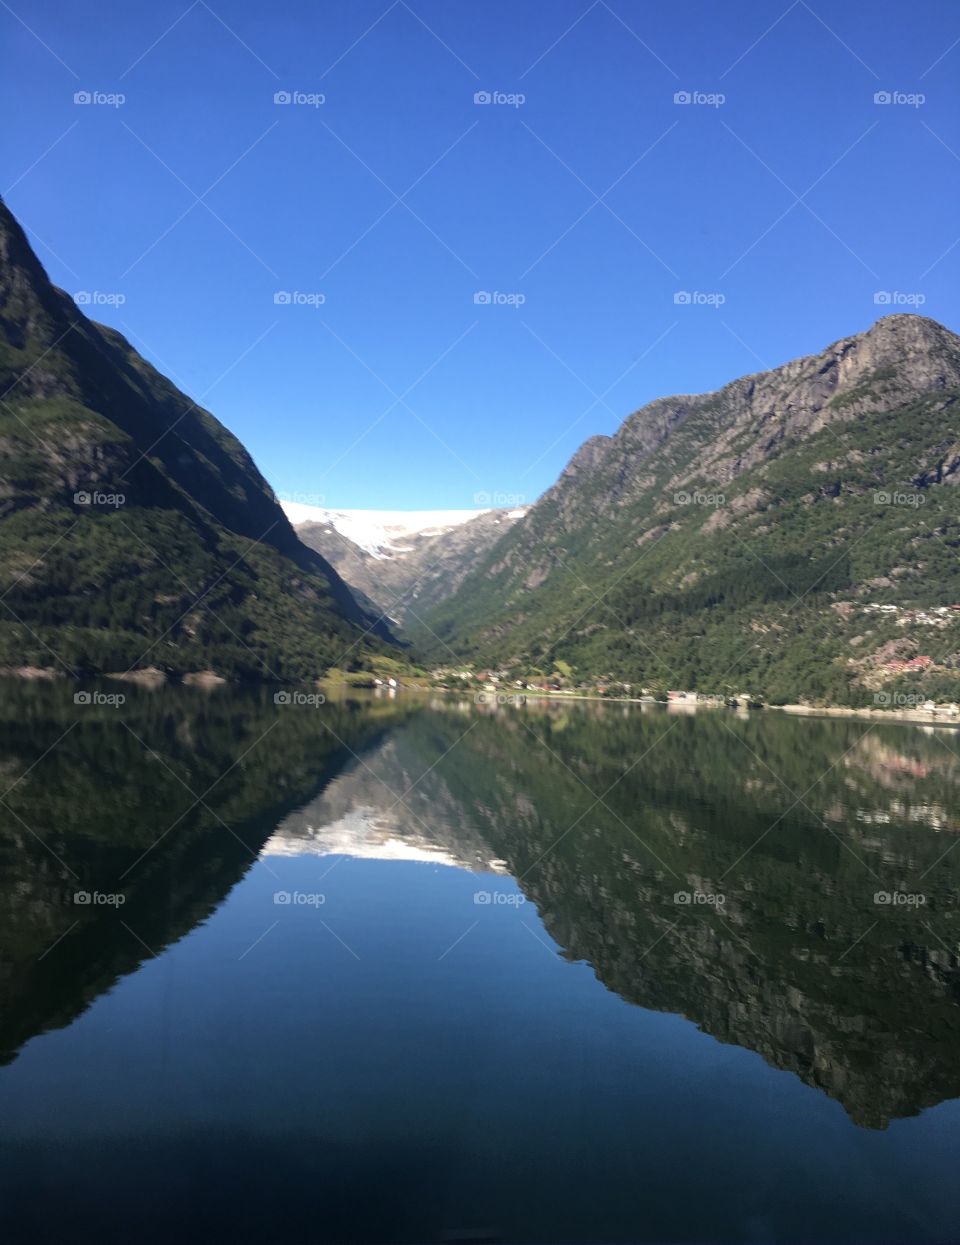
(135, 530)
(747, 538)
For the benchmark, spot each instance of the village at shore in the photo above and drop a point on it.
(500, 688)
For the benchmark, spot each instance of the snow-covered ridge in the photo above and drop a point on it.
(380, 532)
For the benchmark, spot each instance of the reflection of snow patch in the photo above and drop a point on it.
(365, 834)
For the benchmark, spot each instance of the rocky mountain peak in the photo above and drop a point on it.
(28, 302)
(667, 549)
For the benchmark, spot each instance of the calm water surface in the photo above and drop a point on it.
(404, 970)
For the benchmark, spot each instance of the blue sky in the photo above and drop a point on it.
(595, 198)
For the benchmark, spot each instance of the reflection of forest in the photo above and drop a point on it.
(799, 964)
(119, 792)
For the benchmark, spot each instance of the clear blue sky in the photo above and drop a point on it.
(493, 398)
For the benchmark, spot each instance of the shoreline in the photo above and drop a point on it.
(927, 717)
(207, 680)
(924, 717)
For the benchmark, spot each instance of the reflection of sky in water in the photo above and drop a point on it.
(323, 1055)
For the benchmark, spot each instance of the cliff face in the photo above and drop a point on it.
(703, 510)
(758, 417)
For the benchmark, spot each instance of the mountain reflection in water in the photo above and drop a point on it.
(782, 833)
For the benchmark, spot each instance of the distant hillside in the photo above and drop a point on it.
(402, 563)
(135, 530)
(746, 539)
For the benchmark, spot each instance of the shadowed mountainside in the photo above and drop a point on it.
(135, 530)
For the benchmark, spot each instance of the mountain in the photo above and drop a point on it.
(792, 534)
(135, 530)
(401, 563)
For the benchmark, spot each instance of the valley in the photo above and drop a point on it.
(790, 538)
(480, 623)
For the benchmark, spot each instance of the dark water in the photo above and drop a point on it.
(422, 971)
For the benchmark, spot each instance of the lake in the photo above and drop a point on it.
(418, 969)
